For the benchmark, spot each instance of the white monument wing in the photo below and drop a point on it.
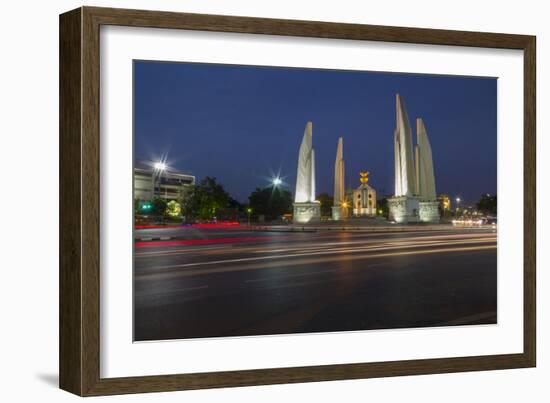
(304, 179)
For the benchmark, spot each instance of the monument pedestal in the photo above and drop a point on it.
(339, 213)
(336, 213)
(429, 211)
(404, 209)
(306, 212)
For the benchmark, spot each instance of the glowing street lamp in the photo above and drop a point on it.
(277, 181)
(249, 211)
(160, 166)
(457, 204)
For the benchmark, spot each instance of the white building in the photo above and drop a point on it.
(168, 184)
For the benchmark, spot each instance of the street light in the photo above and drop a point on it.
(276, 181)
(249, 211)
(160, 166)
(457, 204)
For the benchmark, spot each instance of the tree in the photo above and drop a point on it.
(327, 201)
(487, 204)
(159, 207)
(272, 202)
(382, 204)
(206, 199)
(173, 209)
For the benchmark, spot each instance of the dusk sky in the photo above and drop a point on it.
(244, 124)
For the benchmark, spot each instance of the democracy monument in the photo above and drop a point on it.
(414, 199)
(306, 208)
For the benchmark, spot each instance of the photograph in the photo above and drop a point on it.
(276, 200)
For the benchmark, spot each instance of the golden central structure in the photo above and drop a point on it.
(364, 197)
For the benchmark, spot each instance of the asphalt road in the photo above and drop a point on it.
(213, 282)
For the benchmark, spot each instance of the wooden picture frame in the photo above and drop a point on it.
(79, 201)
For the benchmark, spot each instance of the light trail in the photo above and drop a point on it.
(295, 255)
(305, 245)
(348, 257)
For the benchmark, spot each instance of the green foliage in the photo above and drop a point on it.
(159, 207)
(382, 204)
(173, 209)
(272, 202)
(203, 201)
(487, 204)
(327, 201)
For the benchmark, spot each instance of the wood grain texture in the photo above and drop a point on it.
(80, 195)
(530, 202)
(90, 202)
(70, 270)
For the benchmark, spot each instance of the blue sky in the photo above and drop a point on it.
(243, 124)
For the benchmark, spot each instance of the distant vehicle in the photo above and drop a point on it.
(472, 221)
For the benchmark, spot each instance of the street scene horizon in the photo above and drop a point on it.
(275, 200)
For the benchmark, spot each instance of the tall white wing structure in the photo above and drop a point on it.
(425, 177)
(339, 174)
(397, 162)
(305, 175)
(405, 182)
(311, 196)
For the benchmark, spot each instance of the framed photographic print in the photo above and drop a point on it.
(249, 201)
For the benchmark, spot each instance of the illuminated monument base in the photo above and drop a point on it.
(404, 209)
(307, 212)
(429, 211)
(340, 213)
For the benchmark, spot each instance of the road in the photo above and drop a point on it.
(212, 282)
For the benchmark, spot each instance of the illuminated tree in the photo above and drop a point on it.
(173, 209)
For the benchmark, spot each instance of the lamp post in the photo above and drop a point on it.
(457, 205)
(276, 181)
(159, 167)
(248, 212)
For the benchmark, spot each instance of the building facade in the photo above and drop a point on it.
(168, 184)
